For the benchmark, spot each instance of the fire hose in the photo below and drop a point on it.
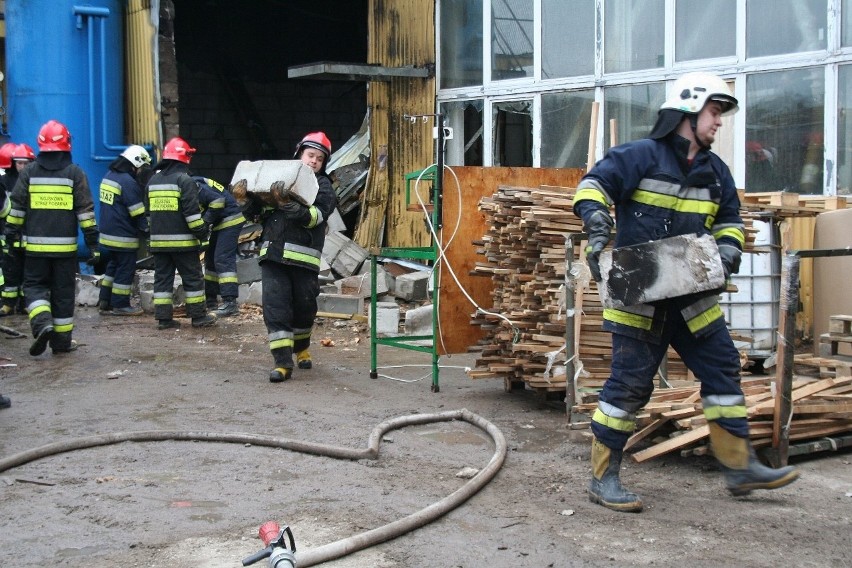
(341, 547)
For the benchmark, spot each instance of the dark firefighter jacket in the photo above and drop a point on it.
(49, 201)
(657, 194)
(122, 217)
(219, 208)
(174, 213)
(295, 234)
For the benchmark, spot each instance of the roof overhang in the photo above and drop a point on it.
(331, 71)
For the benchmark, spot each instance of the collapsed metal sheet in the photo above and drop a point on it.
(658, 270)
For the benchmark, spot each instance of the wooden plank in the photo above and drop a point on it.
(672, 444)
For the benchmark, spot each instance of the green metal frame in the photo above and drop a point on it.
(430, 253)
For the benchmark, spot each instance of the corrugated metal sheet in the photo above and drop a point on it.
(143, 117)
(401, 33)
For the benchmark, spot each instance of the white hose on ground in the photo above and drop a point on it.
(341, 547)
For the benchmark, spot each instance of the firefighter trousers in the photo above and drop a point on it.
(713, 359)
(220, 264)
(50, 285)
(13, 274)
(188, 265)
(118, 277)
(289, 308)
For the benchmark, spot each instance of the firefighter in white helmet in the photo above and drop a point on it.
(124, 227)
(667, 185)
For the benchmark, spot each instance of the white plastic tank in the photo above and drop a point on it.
(753, 310)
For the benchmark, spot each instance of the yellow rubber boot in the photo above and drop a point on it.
(743, 471)
(605, 487)
(303, 359)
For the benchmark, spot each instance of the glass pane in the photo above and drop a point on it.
(512, 131)
(565, 121)
(845, 25)
(784, 131)
(634, 34)
(844, 131)
(465, 147)
(511, 39)
(634, 109)
(461, 43)
(785, 26)
(694, 17)
(567, 31)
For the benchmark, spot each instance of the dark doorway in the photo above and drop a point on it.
(235, 100)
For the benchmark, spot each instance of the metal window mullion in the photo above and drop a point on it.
(741, 31)
(488, 132)
(830, 130)
(536, 130)
(487, 56)
(537, 41)
(739, 165)
(599, 39)
(669, 43)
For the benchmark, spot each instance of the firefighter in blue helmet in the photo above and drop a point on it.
(50, 200)
(222, 212)
(667, 185)
(123, 225)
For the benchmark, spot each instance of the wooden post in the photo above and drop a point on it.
(593, 136)
(613, 132)
(784, 369)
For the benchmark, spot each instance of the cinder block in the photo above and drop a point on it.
(387, 318)
(412, 287)
(344, 255)
(88, 290)
(384, 281)
(418, 321)
(250, 293)
(146, 300)
(361, 286)
(248, 270)
(340, 304)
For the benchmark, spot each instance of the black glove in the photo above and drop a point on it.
(94, 258)
(599, 226)
(731, 257)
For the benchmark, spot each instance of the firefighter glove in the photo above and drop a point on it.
(731, 257)
(598, 226)
(94, 258)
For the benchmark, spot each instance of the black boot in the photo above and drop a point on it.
(229, 307)
(41, 340)
(743, 471)
(605, 487)
(204, 321)
(280, 374)
(5, 401)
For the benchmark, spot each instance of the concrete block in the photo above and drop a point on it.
(344, 255)
(658, 270)
(413, 286)
(88, 290)
(145, 280)
(250, 293)
(387, 318)
(340, 304)
(418, 321)
(248, 270)
(146, 300)
(384, 280)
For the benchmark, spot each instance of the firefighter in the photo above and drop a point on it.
(13, 261)
(293, 237)
(177, 234)
(9, 285)
(225, 216)
(51, 198)
(123, 224)
(666, 185)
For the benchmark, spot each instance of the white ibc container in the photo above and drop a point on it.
(753, 310)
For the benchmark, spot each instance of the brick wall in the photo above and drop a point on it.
(245, 120)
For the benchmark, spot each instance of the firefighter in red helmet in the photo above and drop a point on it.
(7, 182)
(21, 156)
(293, 238)
(177, 233)
(49, 201)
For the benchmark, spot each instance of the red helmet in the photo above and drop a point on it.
(316, 140)
(54, 137)
(23, 152)
(6, 155)
(178, 149)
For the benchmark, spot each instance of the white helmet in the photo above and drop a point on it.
(137, 155)
(690, 93)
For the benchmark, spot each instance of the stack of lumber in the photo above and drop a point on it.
(784, 204)
(673, 420)
(524, 251)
